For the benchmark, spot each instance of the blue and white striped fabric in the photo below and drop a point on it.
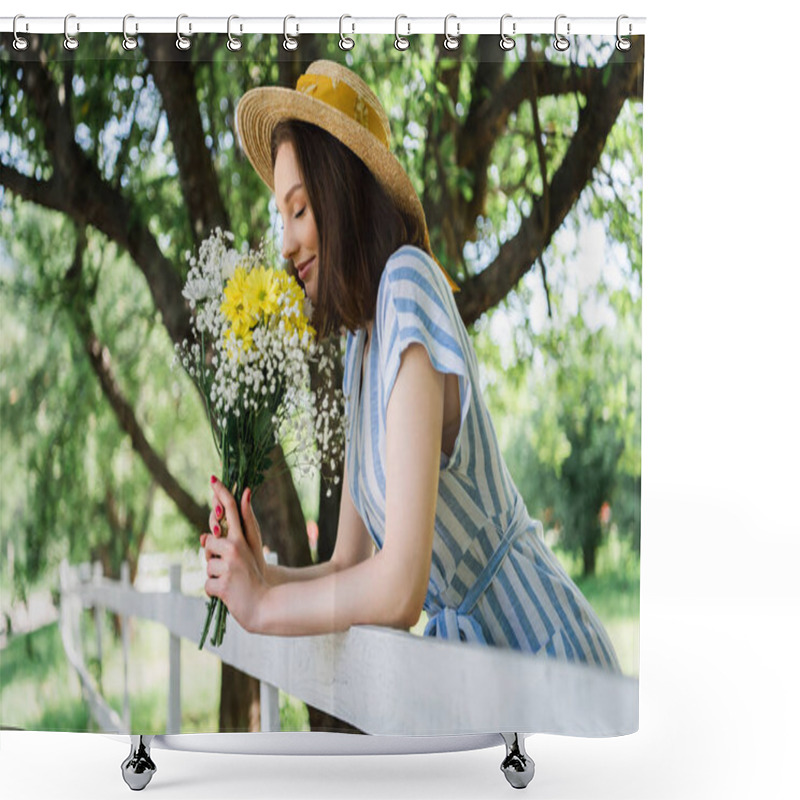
(493, 580)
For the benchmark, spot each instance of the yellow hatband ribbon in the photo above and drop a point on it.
(337, 94)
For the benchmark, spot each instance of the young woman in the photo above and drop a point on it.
(430, 517)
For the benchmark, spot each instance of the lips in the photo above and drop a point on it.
(304, 268)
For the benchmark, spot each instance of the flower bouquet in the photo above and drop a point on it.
(250, 358)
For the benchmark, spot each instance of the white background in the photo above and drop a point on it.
(720, 609)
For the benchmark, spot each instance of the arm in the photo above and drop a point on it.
(388, 589)
(353, 545)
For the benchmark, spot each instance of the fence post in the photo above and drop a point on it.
(269, 697)
(174, 708)
(97, 576)
(125, 578)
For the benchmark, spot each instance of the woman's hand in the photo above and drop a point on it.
(252, 531)
(236, 573)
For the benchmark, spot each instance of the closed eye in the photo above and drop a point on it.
(300, 213)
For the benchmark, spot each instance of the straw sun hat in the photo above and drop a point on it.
(337, 100)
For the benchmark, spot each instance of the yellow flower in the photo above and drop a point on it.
(261, 293)
(294, 316)
(234, 306)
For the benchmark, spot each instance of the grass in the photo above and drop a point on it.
(39, 690)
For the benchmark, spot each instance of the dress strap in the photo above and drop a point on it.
(458, 623)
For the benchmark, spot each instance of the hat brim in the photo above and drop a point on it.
(261, 109)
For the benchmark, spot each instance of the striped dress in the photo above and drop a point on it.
(493, 580)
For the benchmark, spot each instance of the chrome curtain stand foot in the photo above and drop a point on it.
(517, 766)
(138, 768)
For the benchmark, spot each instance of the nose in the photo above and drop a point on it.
(289, 247)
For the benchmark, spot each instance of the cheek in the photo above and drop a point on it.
(311, 234)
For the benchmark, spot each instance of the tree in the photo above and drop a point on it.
(128, 160)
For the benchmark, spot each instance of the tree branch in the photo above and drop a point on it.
(175, 79)
(516, 256)
(41, 192)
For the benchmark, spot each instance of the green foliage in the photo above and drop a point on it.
(566, 401)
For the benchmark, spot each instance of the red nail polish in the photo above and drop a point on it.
(213, 479)
(218, 511)
(216, 530)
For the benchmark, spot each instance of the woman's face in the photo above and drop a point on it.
(300, 240)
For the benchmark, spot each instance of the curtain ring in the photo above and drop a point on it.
(128, 42)
(70, 42)
(400, 42)
(289, 42)
(451, 42)
(506, 42)
(623, 44)
(345, 42)
(234, 44)
(20, 42)
(182, 43)
(561, 43)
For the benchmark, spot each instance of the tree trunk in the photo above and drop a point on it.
(239, 702)
(328, 518)
(589, 551)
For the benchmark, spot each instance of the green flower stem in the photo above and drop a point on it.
(212, 607)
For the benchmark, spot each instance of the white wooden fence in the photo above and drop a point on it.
(381, 680)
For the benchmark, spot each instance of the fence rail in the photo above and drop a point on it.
(381, 680)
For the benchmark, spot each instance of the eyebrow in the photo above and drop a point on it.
(291, 192)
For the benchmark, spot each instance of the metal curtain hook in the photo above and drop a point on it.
(400, 42)
(289, 42)
(623, 44)
(128, 42)
(451, 42)
(561, 43)
(506, 42)
(20, 43)
(182, 43)
(70, 42)
(234, 44)
(346, 42)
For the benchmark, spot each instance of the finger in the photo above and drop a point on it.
(216, 514)
(252, 531)
(225, 499)
(216, 546)
(216, 567)
(214, 588)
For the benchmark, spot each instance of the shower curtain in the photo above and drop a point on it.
(117, 164)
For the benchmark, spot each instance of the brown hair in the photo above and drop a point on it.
(358, 225)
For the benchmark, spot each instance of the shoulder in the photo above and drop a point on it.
(411, 274)
(410, 263)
